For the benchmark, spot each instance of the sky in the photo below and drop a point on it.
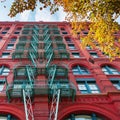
(36, 15)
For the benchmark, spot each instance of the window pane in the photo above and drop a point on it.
(83, 117)
(21, 72)
(115, 73)
(71, 46)
(13, 39)
(117, 86)
(4, 70)
(16, 32)
(10, 46)
(76, 55)
(3, 118)
(1, 86)
(5, 55)
(94, 55)
(93, 87)
(95, 91)
(17, 86)
(4, 32)
(82, 87)
(104, 69)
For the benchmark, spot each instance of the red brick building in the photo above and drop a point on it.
(45, 75)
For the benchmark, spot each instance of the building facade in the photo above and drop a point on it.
(46, 75)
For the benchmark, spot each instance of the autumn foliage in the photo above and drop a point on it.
(101, 15)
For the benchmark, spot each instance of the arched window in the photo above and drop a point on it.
(4, 70)
(92, 116)
(7, 117)
(110, 70)
(80, 70)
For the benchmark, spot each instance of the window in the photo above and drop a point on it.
(94, 54)
(88, 48)
(85, 32)
(13, 39)
(16, 32)
(115, 82)
(64, 33)
(4, 32)
(71, 46)
(92, 116)
(10, 46)
(2, 83)
(7, 117)
(86, 87)
(20, 71)
(79, 70)
(109, 70)
(68, 40)
(4, 70)
(76, 55)
(5, 55)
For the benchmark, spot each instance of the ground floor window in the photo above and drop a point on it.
(92, 116)
(7, 117)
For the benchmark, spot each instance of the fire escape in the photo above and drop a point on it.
(38, 47)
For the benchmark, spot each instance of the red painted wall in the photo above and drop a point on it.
(106, 103)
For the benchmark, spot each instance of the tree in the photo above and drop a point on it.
(100, 14)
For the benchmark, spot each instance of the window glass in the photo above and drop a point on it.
(68, 40)
(7, 117)
(116, 84)
(92, 116)
(88, 48)
(13, 39)
(5, 55)
(2, 83)
(4, 70)
(94, 54)
(10, 46)
(71, 46)
(64, 33)
(79, 70)
(16, 32)
(4, 32)
(110, 70)
(21, 72)
(76, 55)
(88, 87)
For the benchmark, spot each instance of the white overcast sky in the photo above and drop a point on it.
(36, 15)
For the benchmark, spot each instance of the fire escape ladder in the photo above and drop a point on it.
(52, 73)
(54, 104)
(30, 74)
(27, 104)
(32, 57)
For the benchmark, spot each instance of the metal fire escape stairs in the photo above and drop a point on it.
(51, 76)
(28, 89)
(27, 93)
